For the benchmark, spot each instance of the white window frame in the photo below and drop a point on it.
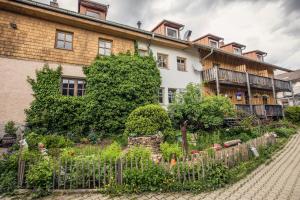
(181, 66)
(106, 49)
(213, 41)
(163, 95)
(171, 94)
(161, 63)
(237, 51)
(260, 57)
(174, 29)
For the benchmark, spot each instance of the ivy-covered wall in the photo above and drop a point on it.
(116, 85)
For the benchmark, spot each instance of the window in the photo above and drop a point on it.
(213, 43)
(171, 94)
(161, 95)
(237, 51)
(64, 40)
(171, 32)
(92, 14)
(105, 47)
(181, 64)
(73, 87)
(143, 52)
(260, 58)
(162, 60)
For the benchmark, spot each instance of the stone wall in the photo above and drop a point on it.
(153, 142)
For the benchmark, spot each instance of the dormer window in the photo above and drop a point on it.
(237, 51)
(213, 43)
(92, 14)
(260, 58)
(171, 32)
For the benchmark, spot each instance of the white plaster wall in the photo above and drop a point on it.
(171, 77)
(16, 93)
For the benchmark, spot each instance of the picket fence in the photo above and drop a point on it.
(94, 174)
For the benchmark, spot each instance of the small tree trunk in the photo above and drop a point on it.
(183, 128)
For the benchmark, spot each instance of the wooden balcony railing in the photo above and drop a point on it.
(261, 111)
(226, 76)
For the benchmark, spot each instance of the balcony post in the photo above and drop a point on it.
(249, 92)
(217, 79)
(274, 91)
(292, 91)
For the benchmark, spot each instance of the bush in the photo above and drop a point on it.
(8, 173)
(147, 120)
(285, 132)
(112, 152)
(138, 152)
(292, 114)
(217, 176)
(50, 141)
(116, 85)
(170, 150)
(39, 177)
(10, 128)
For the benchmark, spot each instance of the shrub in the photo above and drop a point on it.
(217, 176)
(8, 173)
(39, 177)
(50, 141)
(116, 85)
(147, 120)
(138, 152)
(33, 140)
(292, 114)
(10, 128)
(112, 152)
(285, 132)
(170, 150)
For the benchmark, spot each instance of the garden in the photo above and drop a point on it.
(117, 139)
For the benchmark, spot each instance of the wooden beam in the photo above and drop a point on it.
(274, 91)
(292, 91)
(217, 79)
(249, 92)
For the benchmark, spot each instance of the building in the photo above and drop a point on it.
(290, 98)
(34, 34)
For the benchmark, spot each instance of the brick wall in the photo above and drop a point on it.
(35, 39)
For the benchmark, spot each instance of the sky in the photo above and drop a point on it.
(272, 26)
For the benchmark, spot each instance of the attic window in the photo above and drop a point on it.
(260, 57)
(237, 51)
(92, 14)
(214, 43)
(171, 32)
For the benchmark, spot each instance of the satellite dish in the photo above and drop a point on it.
(187, 35)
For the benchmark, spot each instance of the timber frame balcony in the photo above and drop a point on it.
(261, 111)
(230, 77)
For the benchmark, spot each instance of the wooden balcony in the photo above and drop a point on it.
(230, 77)
(261, 111)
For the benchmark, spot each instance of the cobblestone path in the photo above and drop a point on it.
(280, 180)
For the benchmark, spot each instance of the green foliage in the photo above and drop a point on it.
(147, 120)
(200, 112)
(292, 113)
(217, 176)
(116, 85)
(206, 140)
(285, 132)
(138, 152)
(10, 128)
(112, 152)
(39, 177)
(170, 150)
(8, 173)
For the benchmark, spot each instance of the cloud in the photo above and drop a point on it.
(272, 26)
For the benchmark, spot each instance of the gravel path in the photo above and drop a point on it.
(280, 180)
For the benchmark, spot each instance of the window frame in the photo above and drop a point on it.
(106, 41)
(237, 51)
(171, 98)
(76, 80)
(174, 29)
(184, 64)
(93, 11)
(161, 94)
(260, 57)
(213, 41)
(65, 33)
(167, 61)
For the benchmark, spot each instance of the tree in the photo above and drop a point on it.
(116, 85)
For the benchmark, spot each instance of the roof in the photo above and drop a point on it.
(72, 16)
(290, 76)
(256, 51)
(235, 44)
(168, 23)
(93, 5)
(210, 36)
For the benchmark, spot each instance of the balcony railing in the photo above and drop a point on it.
(226, 76)
(261, 111)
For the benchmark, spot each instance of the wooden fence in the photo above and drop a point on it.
(97, 173)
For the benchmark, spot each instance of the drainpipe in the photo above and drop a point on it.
(209, 54)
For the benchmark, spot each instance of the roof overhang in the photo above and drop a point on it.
(170, 24)
(234, 44)
(211, 36)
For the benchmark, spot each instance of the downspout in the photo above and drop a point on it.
(209, 54)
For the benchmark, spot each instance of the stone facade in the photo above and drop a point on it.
(152, 142)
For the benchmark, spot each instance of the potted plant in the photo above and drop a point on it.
(10, 137)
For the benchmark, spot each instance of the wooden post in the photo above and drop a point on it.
(216, 69)
(249, 92)
(274, 92)
(292, 91)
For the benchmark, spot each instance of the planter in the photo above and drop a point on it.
(8, 140)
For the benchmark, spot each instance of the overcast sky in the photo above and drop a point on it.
(272, 26)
